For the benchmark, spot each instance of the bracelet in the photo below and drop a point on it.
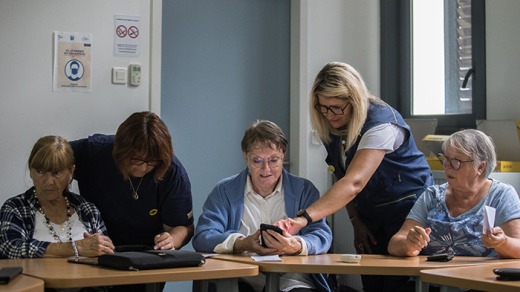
(76, 254)
(300, 250)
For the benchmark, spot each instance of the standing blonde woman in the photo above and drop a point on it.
(379, 172)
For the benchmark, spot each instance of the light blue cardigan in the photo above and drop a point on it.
(222, 212)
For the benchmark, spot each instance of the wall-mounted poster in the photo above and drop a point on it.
(72, 62)
(127, 35)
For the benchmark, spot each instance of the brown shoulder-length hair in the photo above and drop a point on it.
(51, 153)
(145, 135)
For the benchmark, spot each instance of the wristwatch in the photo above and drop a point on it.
(303, 213)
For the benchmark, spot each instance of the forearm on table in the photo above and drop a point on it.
(398, 246)
(181, 235)
(241, 245)
(509, 248)
(59, 249)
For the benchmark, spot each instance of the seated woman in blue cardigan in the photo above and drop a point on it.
(264, 192)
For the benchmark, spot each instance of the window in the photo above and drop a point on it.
(433, 60)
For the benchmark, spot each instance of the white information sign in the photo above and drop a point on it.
(127, 35)
(72, 62)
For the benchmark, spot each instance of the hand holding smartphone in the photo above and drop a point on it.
(265, 227)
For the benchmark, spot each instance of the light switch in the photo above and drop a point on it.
(119, 75)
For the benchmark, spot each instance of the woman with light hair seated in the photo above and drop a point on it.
(449, 218)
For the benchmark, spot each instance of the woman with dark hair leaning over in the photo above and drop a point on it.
(140, 186)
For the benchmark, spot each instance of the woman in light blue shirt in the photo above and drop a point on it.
(449, 218)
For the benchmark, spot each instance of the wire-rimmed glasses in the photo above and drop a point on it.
(258, 162)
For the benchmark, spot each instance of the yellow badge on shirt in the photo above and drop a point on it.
(153, 212)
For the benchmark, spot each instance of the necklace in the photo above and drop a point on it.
(47, 222)
(135, 195)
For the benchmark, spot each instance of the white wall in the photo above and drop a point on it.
(325, 31)
(502, 59)
(30, 109)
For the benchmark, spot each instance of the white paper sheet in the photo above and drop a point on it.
(489, 219)
(269, 258)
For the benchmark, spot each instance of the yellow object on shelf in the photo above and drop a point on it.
(434, 143)
(435, 163)
(508, 166)
(502, 166)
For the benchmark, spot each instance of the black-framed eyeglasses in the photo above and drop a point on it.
(337, 110)
(453, 162)
(258, 162)
(138, 161)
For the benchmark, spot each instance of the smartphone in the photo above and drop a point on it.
(7, 274)
(507, 274)
(265, 227)
(443, 257)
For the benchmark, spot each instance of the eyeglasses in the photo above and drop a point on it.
(337, 110)
(137, 161)
(273, 162)
(453, 162)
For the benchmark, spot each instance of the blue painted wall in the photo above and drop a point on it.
(225, 64)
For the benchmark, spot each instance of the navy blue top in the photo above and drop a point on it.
(130, 221)
(400, 179)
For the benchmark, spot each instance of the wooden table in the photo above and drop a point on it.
(58, 273)
(23, 283)
(369, 265)
(474, 277)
